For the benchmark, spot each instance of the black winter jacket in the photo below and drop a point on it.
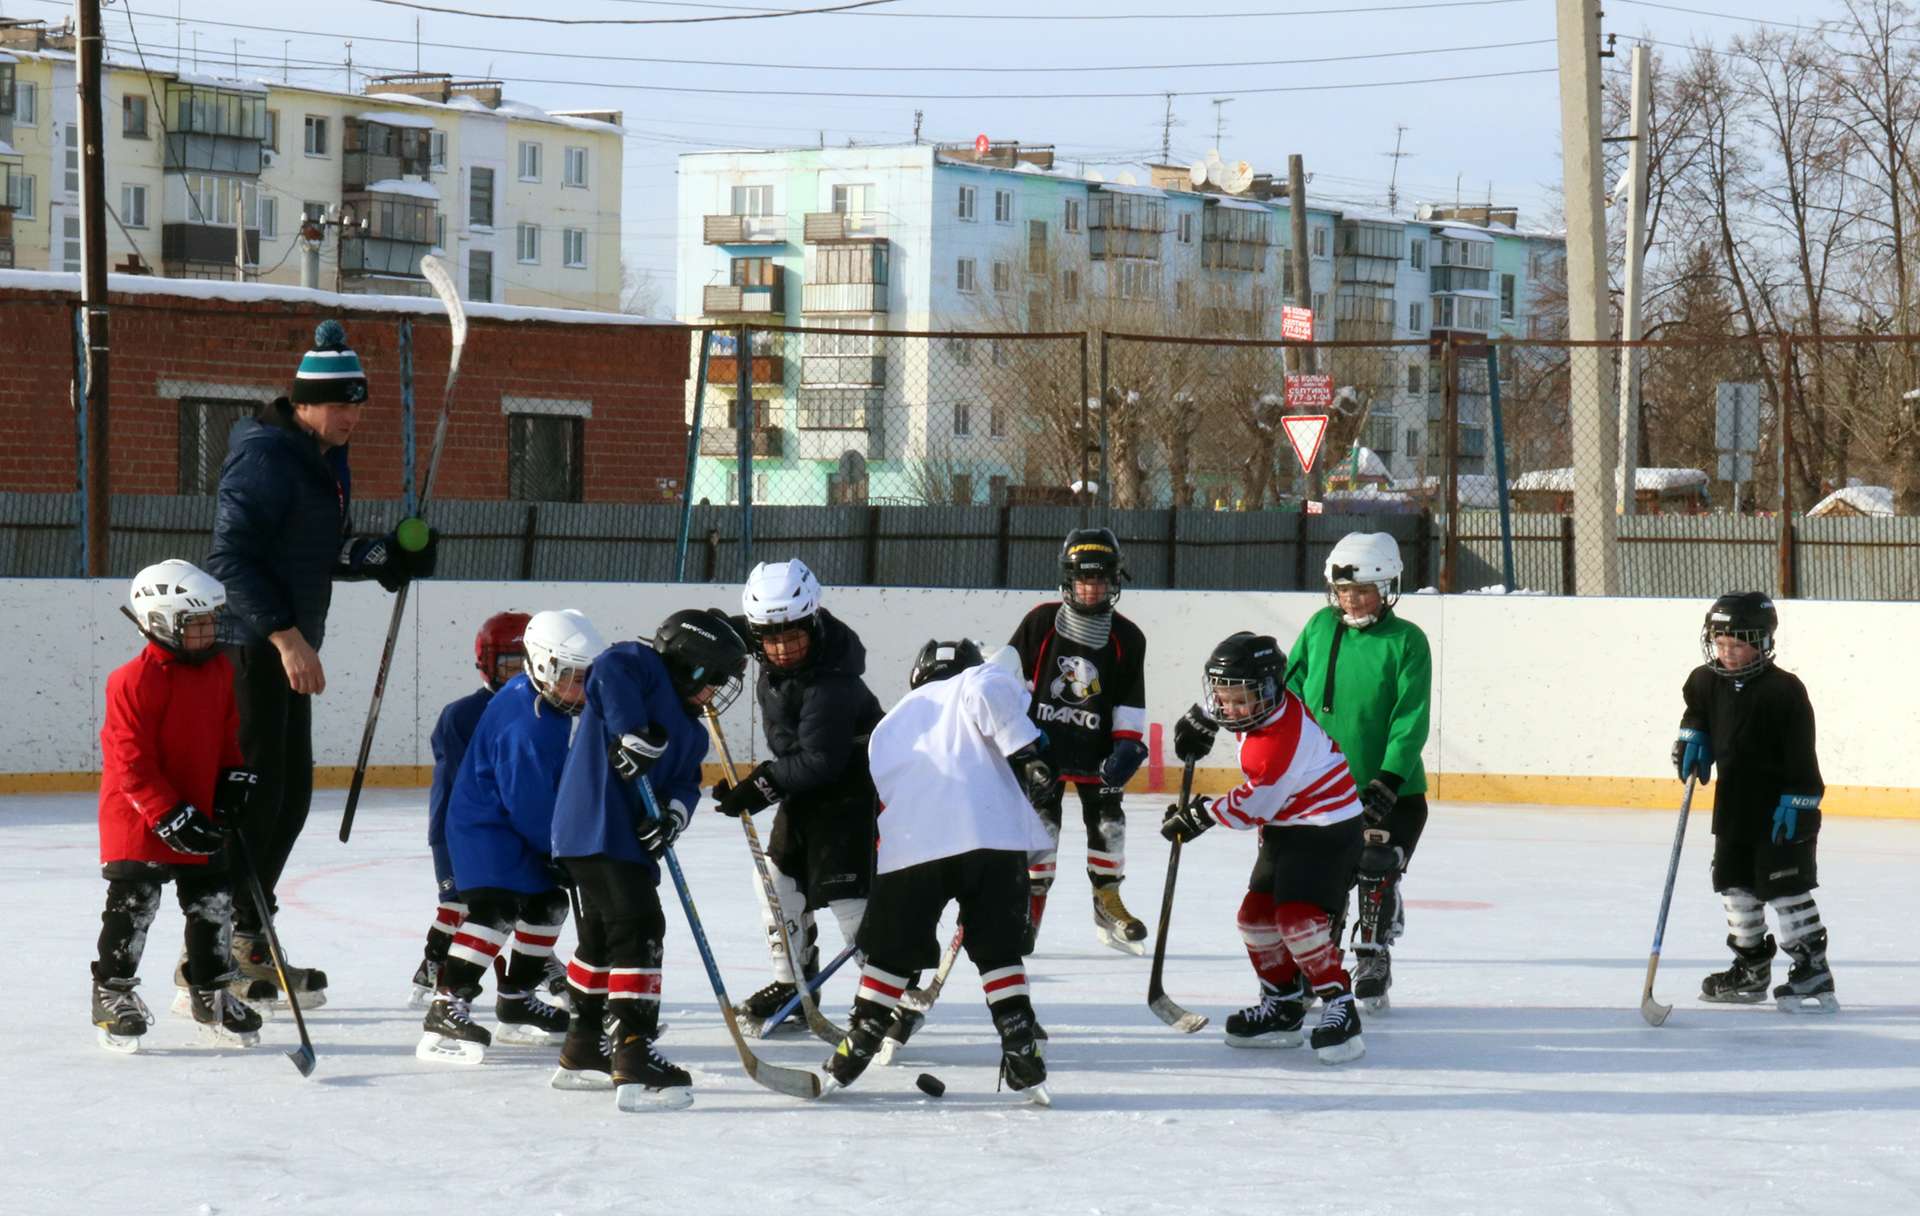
(282, 528)
(1762, 731)
(817, 721)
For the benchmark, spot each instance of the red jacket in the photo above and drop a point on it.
(171, 726)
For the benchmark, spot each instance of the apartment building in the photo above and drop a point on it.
(217, 177)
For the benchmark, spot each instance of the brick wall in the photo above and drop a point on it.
(634, 376)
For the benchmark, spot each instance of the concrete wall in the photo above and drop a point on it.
(1537, 700)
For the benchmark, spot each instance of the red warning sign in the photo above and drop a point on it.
(1309, 391)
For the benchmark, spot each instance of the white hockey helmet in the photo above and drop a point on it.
(780, 597)
(561, 646)
(164, 596)
(1365, 557)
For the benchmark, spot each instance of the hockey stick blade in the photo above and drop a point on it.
(303, 1056)
(1183, 1020)
(1163, 1006)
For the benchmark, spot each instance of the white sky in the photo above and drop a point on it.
(1466, 135)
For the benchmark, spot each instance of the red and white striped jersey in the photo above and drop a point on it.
(1296, 776)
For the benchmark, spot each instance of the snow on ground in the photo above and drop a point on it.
(1513, 1075)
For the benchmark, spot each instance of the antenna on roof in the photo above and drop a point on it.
(1393, 177)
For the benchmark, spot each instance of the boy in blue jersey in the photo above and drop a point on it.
(641, 723)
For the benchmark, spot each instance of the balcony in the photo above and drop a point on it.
(205, 243)
(725, 441)
(743, 230)
(733, 299)
(850, 371)
(826, 227)
(764, 369)
(844, 297)
(215, 130)
(381, 151)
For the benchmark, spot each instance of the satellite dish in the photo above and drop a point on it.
(1238, 178)
(1217, 174)
(1094, 175)
(1127, 179)
(1213, 156)
(1197, 173)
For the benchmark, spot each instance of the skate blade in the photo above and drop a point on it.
(520, 1034)
(634, 1099)
(1821, 1004)
(581, 1079)
(1739, 998)
(182, 1003)
(220, 1036)
(1275, 1038)
(441, 1050)
(1340, 1053)
(1037, 1095)
(1110, 937)
(119, 1044)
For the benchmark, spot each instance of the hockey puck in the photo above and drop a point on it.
(930, 1085)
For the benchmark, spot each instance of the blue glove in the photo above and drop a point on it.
(1693, 753)
(1123, 762)
(1786, 816)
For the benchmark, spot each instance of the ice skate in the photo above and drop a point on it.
(1274, 1022)
(1023, 1065)
(756, 1009)
(257, 995)
(1745, 982)
(426, 982)
(586, 1059)
(120, 1016)
(553, 983)
(1337, 1038)
(1809, 986)
(223, 1018)
(450, 1035)
(255, 962)
(525, 1020)
(1114, 925)
(1372, 977)
(643, 1079)
(865, 1033)
(905, 1022)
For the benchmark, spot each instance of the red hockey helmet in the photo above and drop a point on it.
(501, 636)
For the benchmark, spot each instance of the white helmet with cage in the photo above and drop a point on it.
(780, 595)
(1365, 557)
(561, 646)
(166, 596)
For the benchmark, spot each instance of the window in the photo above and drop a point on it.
(437, 150)
(752, 200)
(999, 353)
(962, 418)
(269, 216)
(1139, 280)
(440, 230)
(1003, 206)
(1182, 294)
(133, 116)
(1183, 230)
(997, 489)
(1319, 308)
(133, 206)
(1036, 246)
(852, 199)
(1506, 297)
(480, 199)
(961, 350)
(1417, 253)
(479, 275)
(544, 457)
(752, 272)
(966, 275)
(1413, 442)
(26, 103)
(69, 241)
(527, 244)
(574, 172)
(273, 131)
(573, 247)
(529, 161)
(963, 489)
(204, 425)
(316, 135)
(997, 421)
(1070, 286)
(1319, 242)
(1379, 433)
(965, 209)
(73, 158)
(211, 199)
(1416, 373)
(1416, 317)
(1071, 221)
(1002, 276)
(313, 211)
(853, 262)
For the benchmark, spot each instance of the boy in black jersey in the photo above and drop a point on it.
(1087, 666)
(1757, 722)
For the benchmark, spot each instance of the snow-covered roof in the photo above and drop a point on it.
(398, 118)
(1121, 188)
(400, 185)
(1240, 204)
(1363, 462)
(1655, 480)
(6, 58)
(1455, 228)
(1476, 489)
(230, 83)
(219, 289)
(1866, 500)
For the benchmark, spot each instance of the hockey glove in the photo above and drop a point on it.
(1693, 753)
(231, 792)
(632, 755)
(1123, 762)
(1378, 799)
(656, 836)
(1786, 817)
(756, 793)
(1032, 771)
(1182, 823)
(186, 829)
(1193, 735)
(384, 560)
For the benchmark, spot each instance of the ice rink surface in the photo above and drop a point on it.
(1514, 1073)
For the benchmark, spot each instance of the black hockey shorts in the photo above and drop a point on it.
(621, 922)
(900, 931)
(133, 898)
(825, 847)
(1404, 824)
(1768, 870)
(1313, 865)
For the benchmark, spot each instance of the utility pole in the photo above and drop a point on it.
(1219, 119)
(1595, 568)
(93, 283)
(918, 115)
(1393, 178)
(1166, 134)
(1302, 275)
(1632, 324)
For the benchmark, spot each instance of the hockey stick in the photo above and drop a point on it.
(813, 985)
(1163, 1006)
(816, 1021)
(916, 1005)
(302, 1057)
(1653, 1011)
(441, 280)
(794, 1082)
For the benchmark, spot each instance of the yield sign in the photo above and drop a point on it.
(1304, 432)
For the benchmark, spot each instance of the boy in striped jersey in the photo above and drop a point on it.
(1300, 796)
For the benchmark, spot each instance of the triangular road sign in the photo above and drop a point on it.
(1304, 432)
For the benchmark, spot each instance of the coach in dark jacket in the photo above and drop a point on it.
(282, 533)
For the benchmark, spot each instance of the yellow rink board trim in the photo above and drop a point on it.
(1636, 793)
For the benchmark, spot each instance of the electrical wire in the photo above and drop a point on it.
(1028, 16)
(753, 16)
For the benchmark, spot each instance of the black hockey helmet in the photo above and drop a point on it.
(1748, 616)
(701, 649)
(1091, 553)
(937, 660)
(1242, 685)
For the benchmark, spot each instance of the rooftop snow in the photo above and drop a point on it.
(229, 83)
(399, 185)
(1867, 500)
(396, 118)
(1654, 480)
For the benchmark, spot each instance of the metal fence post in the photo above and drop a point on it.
(1086, 429)
(693, 458)
(1106, 409)
(743, 391)
(1500, 466)
(407, 438)
(527, 535)
(1450, 396)
(1787, 381)
(80, 451)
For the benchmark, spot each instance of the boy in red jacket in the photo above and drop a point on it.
(170, 776)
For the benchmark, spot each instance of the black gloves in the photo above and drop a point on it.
(1379, 798)
(231, 790)
(1123, 762)
(1182, 823)
(387, 562)
(631, 754)
(1033, 773)
(1193, 736)
(186, 829)
(656, 836)
(756, 793)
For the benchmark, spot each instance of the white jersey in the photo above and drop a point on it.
(939, 764)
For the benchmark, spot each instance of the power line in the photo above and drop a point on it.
(1233, 16)
(752, 16)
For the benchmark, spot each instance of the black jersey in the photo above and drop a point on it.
(1084, 698)
(1762, 732)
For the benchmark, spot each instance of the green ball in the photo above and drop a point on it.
(412, 534)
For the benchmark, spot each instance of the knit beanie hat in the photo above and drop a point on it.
(329, 373)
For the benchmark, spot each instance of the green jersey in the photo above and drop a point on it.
(1370, 690)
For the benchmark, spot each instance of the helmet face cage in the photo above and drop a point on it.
(1090, 553)
(1744, 616)
(555, 680)
(701, 650)
(170, 596)
(759, 631)
(1344, 576)
(1240, 704)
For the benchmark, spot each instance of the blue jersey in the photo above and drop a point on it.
(500, 816)
(597, 812)
(449, 741)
